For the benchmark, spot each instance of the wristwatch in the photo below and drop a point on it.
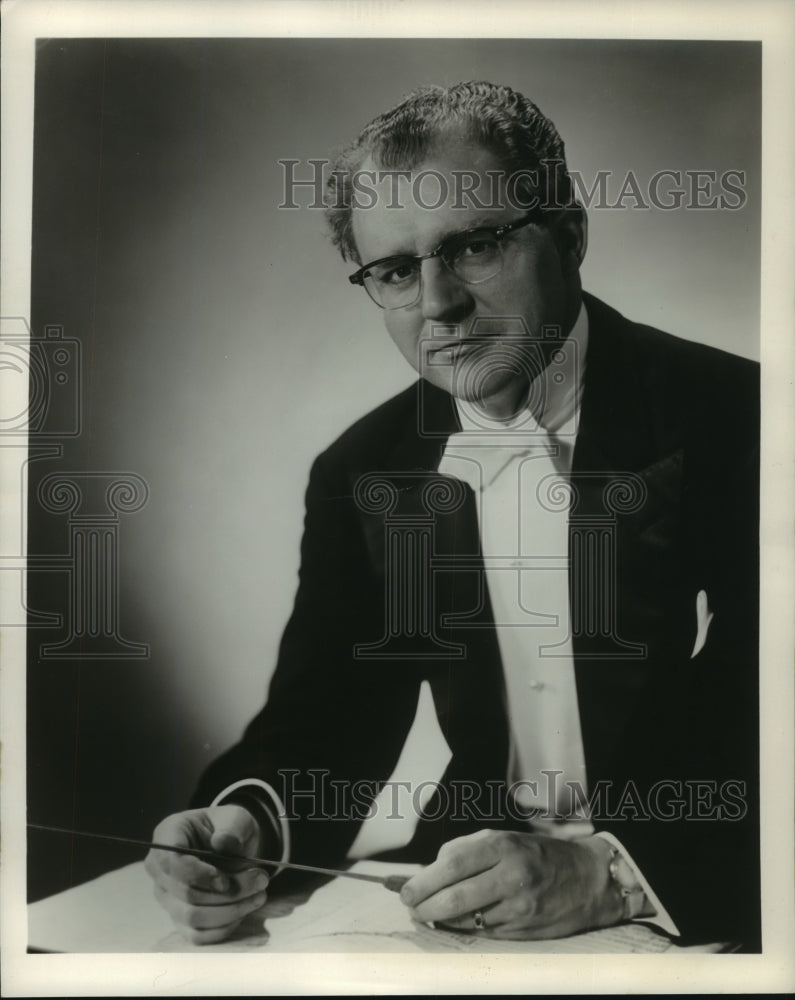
(633, 898)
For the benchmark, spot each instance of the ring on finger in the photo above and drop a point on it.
(480, 923)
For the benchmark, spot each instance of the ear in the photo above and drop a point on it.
(571, 236)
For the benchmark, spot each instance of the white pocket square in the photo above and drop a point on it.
(703, 618)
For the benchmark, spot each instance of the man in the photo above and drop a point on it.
(591, 658)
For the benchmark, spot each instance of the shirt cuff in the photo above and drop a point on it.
(662, 918)
(264, 796)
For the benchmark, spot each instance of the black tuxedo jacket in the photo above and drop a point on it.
(665, 473)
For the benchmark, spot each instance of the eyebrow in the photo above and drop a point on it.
(448, 236)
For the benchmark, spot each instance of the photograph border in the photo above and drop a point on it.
(773, 24)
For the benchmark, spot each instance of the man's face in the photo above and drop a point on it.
(538, 284)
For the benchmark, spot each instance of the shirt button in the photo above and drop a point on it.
(535, 685)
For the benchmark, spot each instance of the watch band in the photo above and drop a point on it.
(630, 891)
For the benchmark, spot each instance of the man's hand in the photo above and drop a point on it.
(524, 885)
(205, 902)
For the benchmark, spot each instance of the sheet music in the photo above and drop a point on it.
(118, 913)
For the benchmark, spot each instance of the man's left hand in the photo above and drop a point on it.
(523, 886)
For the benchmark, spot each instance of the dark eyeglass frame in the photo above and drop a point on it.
(448, 244)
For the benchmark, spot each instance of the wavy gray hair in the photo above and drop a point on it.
(496, 117)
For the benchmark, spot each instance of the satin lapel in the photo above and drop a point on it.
(467, 685)
(426, 433)
(617, 449)
(615, 432)
(414, 457)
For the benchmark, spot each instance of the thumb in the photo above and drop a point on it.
(232, 829)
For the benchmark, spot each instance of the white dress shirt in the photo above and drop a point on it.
(518, 471)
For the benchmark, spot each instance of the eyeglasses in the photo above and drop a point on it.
(474, 256)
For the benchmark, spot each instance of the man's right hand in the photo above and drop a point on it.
(207, 902)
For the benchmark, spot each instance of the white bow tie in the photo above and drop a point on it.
(479, 464)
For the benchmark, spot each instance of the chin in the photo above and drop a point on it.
(476, 385)
(499, 400)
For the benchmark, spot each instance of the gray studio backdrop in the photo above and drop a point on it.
(221, 348)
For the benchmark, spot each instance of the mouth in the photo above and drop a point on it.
(454, 350)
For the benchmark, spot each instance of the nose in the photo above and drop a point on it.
(445, 298)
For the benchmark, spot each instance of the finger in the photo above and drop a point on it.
(456, 903)
(469, 922)
(214, 936)
(237, 888)
(228, 842)
(208, 918)
(518, 932)
(190, 829)
(186, 870)
(197, 880)
(458, 860)
(237, 885)
(234, 831)
(503, 916)
(519, 918)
